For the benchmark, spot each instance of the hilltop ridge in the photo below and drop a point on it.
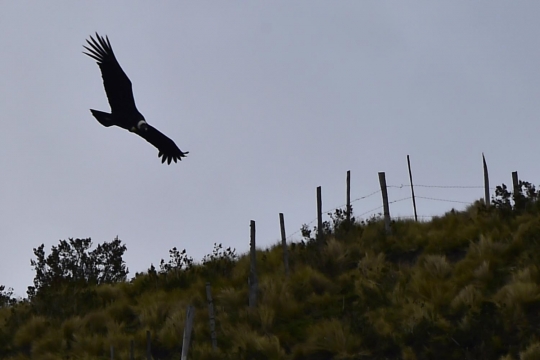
(465, 285)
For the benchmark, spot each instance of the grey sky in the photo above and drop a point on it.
(271, 99)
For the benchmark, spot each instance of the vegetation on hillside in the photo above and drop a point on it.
(465, 285)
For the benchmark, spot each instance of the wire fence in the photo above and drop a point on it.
(375, 210)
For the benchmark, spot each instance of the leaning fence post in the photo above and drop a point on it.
(486, 181)
(349, 196)
(253, 285)
(211, 315)
(412, 189)
(515, 181)
(319, 217)
(187, 331)
(517, 190)
(148, 345)
(284, 244)
(382, 181)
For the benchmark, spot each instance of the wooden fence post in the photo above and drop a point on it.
(382, 181)
(319, 217)
(131, 350)
(517, 192)
(112, 352)
(515, 181)
(253, 284)
(412, 189)
(148, 346)
(187, 331)
(284, 244)
(349, 196)
(211, 315)
(486, 182)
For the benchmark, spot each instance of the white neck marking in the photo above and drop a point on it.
(140, 123)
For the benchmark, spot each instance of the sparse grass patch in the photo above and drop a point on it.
(122, 311)
(33, 329)
(335, 258)
(532, 352)
(89, 345)
(468, 297)
(431, 289)
(437, 266)
(331, 339)
(96, 323)
(203, 351)
(506, 357)
(109, 293)
(452, 231)
(306, 281)
(117, 337)
(49, 344)
(69, 329)
(172, 328)
(230, 299)
(514, 298)
(248, 344)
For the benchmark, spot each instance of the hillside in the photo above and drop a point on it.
(465, 285)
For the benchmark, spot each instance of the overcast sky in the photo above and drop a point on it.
(271, 99)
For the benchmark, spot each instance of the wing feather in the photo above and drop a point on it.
(117, 85)
(168, 151)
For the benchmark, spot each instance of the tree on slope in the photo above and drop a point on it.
(65, 279)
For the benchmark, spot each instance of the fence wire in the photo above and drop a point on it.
(440, 186)
(401, 186)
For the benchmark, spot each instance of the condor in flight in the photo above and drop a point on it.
(124, 113)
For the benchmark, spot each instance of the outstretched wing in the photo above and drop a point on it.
(168, 150)
(117, 84)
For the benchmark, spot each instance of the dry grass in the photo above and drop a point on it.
(363, 297)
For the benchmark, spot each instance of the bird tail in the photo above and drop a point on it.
(104, 118)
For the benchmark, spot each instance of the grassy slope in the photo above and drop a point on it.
(462, 286)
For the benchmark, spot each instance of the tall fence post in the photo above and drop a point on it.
(319, 217)
(148, 346)
(517, 192)
(253, 284)
(187, 331)
(486, 181)
(284, 244)
(386, 207)
(515, 181)
(349, 196)
(211, 316)
(412, 189)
